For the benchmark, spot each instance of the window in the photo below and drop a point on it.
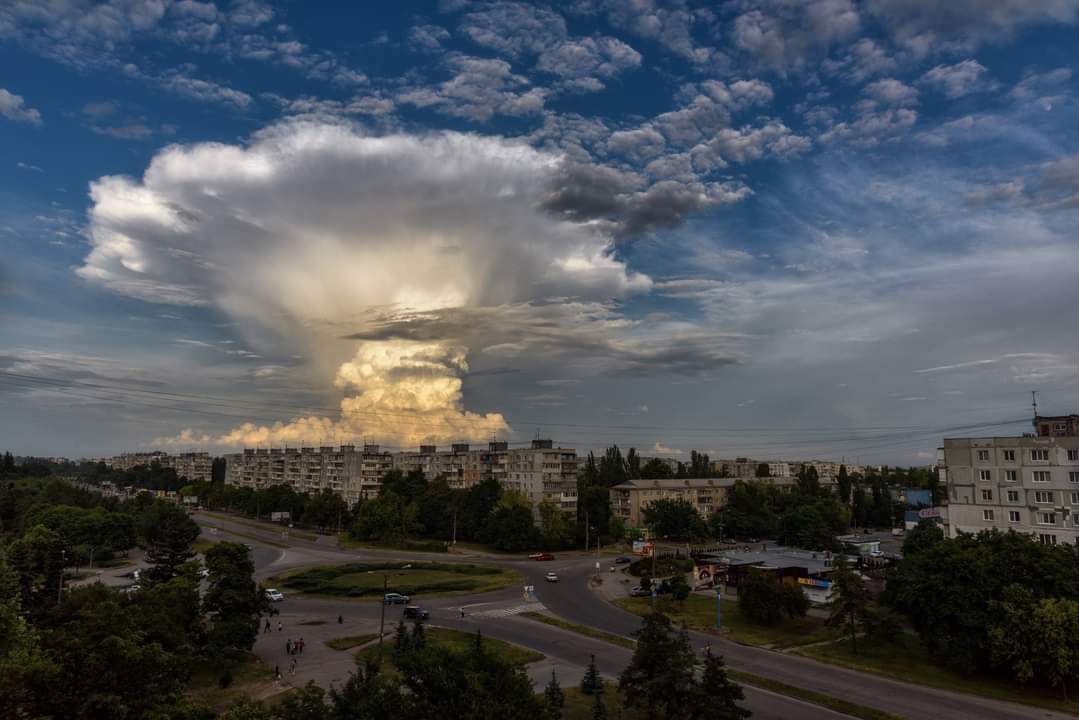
(1073, 455)
(1013, 516)
(1041, 476)
(1060, 427)
(983, 456)
(987, 515)
(985, 475)
(1073, 477)
(1013, 496)
(987, 495)
(1045, 518)
(1039, 455)
(1075, 498)
(1047, 539)
(1011, 476)
(1009, 456)
(1043, 497)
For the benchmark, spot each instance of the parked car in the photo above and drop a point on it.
(876, 553)
(551, 577)
(274, 595)
(204, 573)
(395, 599)
(541, 556)
(622, 560)
(415, 612)
(638, 591)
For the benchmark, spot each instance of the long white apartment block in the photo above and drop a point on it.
(195, 466)
(1028, 484)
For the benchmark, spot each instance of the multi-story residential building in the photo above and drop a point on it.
(194, 466)
(629, 499)
(352, 473)
(1057, 425)
(1029, 484)
(543, 472)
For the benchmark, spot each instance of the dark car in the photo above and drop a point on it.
(415, 612)
(622, 560)
(541, 556)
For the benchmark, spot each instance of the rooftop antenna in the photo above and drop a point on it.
(1034, 404)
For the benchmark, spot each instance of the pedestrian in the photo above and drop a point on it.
(268, 626)
(278, 626)
(340, 619)
(277, 672)
(292, 667)
(301, 646)
(462, 613)
(288, 646)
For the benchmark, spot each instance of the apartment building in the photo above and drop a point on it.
(352, 473)
(541, 472)
(1028, 484)
(1057, 425)
(460, 465)
(195, 466)
(629, 499)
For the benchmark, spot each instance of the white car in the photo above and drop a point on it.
(274, 595)
(551, 577)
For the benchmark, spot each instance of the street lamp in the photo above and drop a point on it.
(719, 604)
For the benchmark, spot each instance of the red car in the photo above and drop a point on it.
(541, 556)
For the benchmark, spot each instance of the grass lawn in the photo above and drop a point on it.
(351, 641)
(579, 706)
(251, 678)
(699, 613)
(261, 525)
(429, 546)
(459, 641)
(424, 579)
(581, 629)
(201, 545)
(908, 660)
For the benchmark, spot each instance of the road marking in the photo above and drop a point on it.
(507, 612)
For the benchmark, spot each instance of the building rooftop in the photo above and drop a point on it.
(779, 557)
(681, 483)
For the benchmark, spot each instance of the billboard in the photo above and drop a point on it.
(279, 516)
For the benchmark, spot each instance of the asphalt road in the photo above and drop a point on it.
(496, 614)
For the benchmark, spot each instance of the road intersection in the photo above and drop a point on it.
(497, 614)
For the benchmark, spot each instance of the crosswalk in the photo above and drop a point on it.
(508, 611)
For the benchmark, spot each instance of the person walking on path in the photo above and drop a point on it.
(277, 672)
(292, 667)
(340, 620)
(301, 646)
(268, 626)
(278, 626)
(288, 646)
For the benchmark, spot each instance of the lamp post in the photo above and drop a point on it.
(719, 605)
(382, 616)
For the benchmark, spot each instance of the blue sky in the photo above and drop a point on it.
(784, 229)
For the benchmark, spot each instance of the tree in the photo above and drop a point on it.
(390, 517)
(850, 601)
(633, 464)
(510, 527)
(1036, 638)
(763, 471)
(233, 602)
(718, 696)
(556, 526)
(554, 700)
(656, 469)
(616, 528)
(217, 471)
(675, 519)
(169, 533)
(591, 682)
(599, 707)
(699, 465)
(36, 559)
(679, 588)
(844, 485)
(808, 481)
(859, 508)
(759, 598)
(660, 678)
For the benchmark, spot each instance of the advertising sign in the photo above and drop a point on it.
(926, 513)
(279, 516)
(811, 582)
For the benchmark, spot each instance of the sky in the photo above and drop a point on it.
(774, 228)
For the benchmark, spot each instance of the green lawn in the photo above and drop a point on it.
(579, 706)
(409, 545)
(581, 629)
(351, 641)
(908, 660)
(424, 579)
(811, 696)
(459, 641)
(201, 545)
(699, 613)
(250, 678)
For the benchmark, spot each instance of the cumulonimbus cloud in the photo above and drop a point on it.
(313, 226)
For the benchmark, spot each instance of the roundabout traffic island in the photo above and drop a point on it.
(370, 581)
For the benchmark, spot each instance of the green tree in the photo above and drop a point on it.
(616, 528)
(656, 469)
(1036, 638)
(808, 481)
(679, 588)
(718, 696)
(591, 682)
(849, 607)
(599, 707)
(557, 528)
(168, 532)
(763, 471)
(511, 528)
(233, 603)
(36, 559)
(759, 598)
(844, 485)
(660, 678)
(554, 700)
(633, 464)
(700, 466)
(675, 519)
(390, 517)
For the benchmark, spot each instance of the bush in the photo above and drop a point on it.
(669, 565)
(794, 601)
(226, 679)
(765, 600)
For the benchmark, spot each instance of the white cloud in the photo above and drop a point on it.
(955, 81)
(14, 108)
(786, 35)
(479, 89)
(891, 92)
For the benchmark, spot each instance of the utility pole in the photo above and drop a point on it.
(455, 525)
(586, 531)
(382, 617)
(654, 549)
(63, 561)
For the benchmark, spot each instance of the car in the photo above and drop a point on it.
(204, 573)
(541, 556)
(638, 591)
(622, 560)
(395, 599)
(415, 612)
(551, 577)
(274, 595)
(876, 553)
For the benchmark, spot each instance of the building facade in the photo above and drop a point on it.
(706, 495)
(194, 466)
(1028, 484)
(350, 472)
(1057, 426)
